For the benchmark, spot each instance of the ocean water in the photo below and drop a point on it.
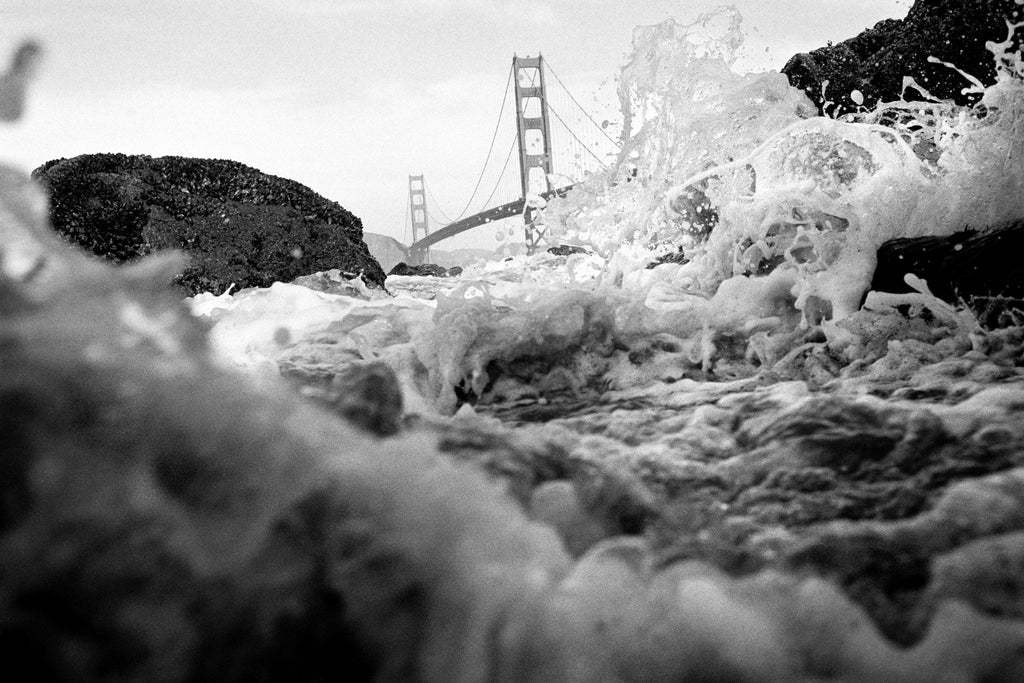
(741, 467)
(798, 206)
(754, 407)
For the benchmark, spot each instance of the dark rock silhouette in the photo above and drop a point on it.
(237, 224)
(424, 270)
(566, 250)
(981, 269)
(876, 61)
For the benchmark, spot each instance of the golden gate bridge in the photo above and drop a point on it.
(558, 143)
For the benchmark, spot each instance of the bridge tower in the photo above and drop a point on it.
(418, 218)
(534, 140)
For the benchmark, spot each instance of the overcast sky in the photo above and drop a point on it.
(345, 96)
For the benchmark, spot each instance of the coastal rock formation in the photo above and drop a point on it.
(982, 270)
(566, 250)
(875, 62)
(424, 270)
(239, 226)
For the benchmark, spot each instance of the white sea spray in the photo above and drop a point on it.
(812, 195)
(779, 211)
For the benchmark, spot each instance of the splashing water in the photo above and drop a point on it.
(780, 213)
(270, 493)
(740, 157)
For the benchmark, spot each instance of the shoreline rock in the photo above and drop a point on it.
(875, 61)
(237, 224)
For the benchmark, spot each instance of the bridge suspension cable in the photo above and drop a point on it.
(575, 137)
(490, 149)
(571, 166)
(405, 232)
(508, 157)
(581, 108)
(437, 205)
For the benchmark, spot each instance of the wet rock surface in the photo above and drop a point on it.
(980, 269)
(424, 270)
(566, 250)
(875, 62)
(239, 226)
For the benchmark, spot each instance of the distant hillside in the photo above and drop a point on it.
(389, 252)
(238, 225)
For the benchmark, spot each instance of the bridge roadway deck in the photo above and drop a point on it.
(417, 250)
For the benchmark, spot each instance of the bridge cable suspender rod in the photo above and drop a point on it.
(508, 158)
(435, 219)
(497, 185)
(437, 205)
(580, 106)
(490, 148)
(583, 144)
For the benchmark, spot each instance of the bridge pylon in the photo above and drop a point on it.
(418, 218)
(534, 141)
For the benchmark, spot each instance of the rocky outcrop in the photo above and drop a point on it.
(875, 62)
(982, 270)
(237, 225)
(424, 270)
(566, 250)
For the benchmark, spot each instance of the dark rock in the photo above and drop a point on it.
(237, 224)
(454, 271)
(981, 269)
(876, 61)
(566, 250)
(424, 270)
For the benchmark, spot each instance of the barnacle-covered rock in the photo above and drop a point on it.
(870, 67)
(239, 226)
